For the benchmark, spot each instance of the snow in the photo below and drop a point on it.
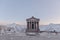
(17, 27)
(50, 27)
(10, 28)
(22, 36)
(17, 32)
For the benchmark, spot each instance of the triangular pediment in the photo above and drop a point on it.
(33, 18)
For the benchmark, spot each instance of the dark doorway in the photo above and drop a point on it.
(32, 26)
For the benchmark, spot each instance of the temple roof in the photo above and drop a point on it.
(33, 18)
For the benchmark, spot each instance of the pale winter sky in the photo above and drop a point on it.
(17, 11)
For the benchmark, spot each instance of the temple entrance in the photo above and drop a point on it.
(32, 26)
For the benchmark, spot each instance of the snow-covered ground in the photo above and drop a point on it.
(17, 32)
(23, 36)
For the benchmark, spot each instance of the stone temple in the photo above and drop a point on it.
(33, 25)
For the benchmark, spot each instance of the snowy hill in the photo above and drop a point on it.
(17, 27)
(50, 27)
(21, 28)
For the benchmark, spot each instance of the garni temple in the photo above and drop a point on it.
(32, 25)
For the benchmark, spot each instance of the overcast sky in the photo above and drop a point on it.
(48, 11)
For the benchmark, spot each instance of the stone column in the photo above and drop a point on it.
(27, 25)
(30, 25)
(38, 26)
(35, 26)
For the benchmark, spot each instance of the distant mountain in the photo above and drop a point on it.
(17, 27)
(50, 27)
(22, 28)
